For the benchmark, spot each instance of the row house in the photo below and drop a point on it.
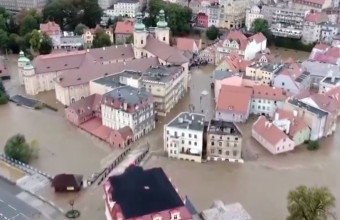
(213, 12)
(316, 5)
(325, 53)
(283, 134)
(209, 53)
(247, 47)
(311, 30)
(143, 194)
(271, 136)
(233, 13)
(252, 14)
(224, 141)
(183, 137)
(292, 78)
(128, 106)
(126, 8)
(262, 72)
(235, 63)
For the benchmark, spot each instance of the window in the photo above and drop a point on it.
(141, 41)
(182, 142)
(189, 142)
(219, 151)
(220, 144)
(195, 136)
(212, 151)
(283, 83)
(176, 133)
(236, 139)
(235, 153)
(182, 134)
(167, 132)
(212, 143)
(227, 153)
(163, 38)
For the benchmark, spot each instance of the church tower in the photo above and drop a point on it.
(162, 31)
(139, 37)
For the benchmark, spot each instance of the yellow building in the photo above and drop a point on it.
(233, 13)
(262, 72)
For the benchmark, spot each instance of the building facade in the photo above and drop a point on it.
(126, 8)
(224, 141)
(262, 72)
(311, 31)
(124, 32)
(89, 35)
(128, 106)
(252, 14)
(183, 137)
(18, 5)
(312, 5)
(233, 13)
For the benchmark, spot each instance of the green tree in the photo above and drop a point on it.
(92, 12)
(22, 15)
(17, 148)
(212, 33)
(46, 45)
(28, 25)
(62, 12)
(310, 203)
(3, 95)
(3, 23)
(101, 39)
(79, 29)
(35, 40)
(2, 87)
(262, 25)
(4, 39)
(15, 42)
(178, 17)
(313, 145)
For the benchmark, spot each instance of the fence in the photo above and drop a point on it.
(24, 167)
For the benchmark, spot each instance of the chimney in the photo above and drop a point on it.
(276, 116)
(333, 78)
(295, 112)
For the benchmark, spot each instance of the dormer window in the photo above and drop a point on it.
(175, 216)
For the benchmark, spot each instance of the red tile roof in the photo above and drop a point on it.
(268, 131)
(270, 57)
(259, 37)
(50, 28)
(267, 92)
(234, 99)
(184, 43)
(125, 132)
(316, 17)
(124, 27)
(297, 123)
(325, 102)
(322, 46)
(239, 37)
(237, 63)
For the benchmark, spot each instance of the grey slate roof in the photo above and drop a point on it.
(329, 80)
(162, 74)
(186, 120)
(309, 108)
(114, 81)
(222, 128)
(318, 69)
(222, 74)
(129, 95)
(72, 40)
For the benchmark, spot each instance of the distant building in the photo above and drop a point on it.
(214, 12)
(328, 83)
(126, 8)
(271, 136)
(52, 30)
(252, 14)
(128, 106)
(188, 44)
(224, 141)
(220, 211)
(262, 72)
(312, 5)
(311, 31)
(19, 5)
(237, 42)
(202, 20)
(328, 31)
(90, 33)
(234, 62)
(144, 196)
(124, 32)
(183, 137)
(233, 13)
(318, 70)
(104, 4)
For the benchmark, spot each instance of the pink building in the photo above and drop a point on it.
(188, 44)
(271, 137)
(202, 20)
(50, 28)
(143, 195)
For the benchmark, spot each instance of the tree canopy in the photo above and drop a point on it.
(3, 95)
(262, 25)
(212, 33)
(70, 13)
(79, 29)
(310, 203)
(35, 40)
(178, 17)
(46, 45)
(17, 148)
(101, 39)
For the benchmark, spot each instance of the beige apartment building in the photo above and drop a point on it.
(262, 72)
(224, 141)
(18, 5)
(233, 13)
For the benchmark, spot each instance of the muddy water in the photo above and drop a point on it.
(287, 53)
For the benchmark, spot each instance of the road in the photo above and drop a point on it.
(11, 207)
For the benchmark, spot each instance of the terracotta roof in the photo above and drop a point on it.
(268, 131)
(334, 93)
(93, 70)
(86, 106)
(325, 103)
(237, 63)
(267, 92)
(297, 123)
(164, 51)
(259, 37)
(50, 28)
(316, 17)
(234, 99)
(75, 59)
(237, 81)
(238, 36)
(322, 46)
(125, 132)
(184, 43)
(268, 56)
(124, 27)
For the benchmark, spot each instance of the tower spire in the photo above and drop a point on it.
(161, 22)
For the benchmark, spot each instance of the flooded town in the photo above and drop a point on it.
(130, 120)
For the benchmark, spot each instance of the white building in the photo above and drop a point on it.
(126, 8)
(104, 4)
(183, 137)
(237, 42)
(128, 106)
(328, 31)
(311, 30)
(213, 12)
(252, 14)
(328, 83)
(18, 5)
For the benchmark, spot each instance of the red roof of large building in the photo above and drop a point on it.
(187, 44)
(316, 17)
(297, 123)
(234, 99)
(268, 131)
(267, 92)
(124, 27)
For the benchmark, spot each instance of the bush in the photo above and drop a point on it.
(17, 148)
(313, 145)
(38, 106)
(212, 33)
(3, 98)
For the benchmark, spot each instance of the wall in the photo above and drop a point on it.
(286, 83)
(225, 146)
(301, 136)
(231, 116)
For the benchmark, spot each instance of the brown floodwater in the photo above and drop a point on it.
(261, 184)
